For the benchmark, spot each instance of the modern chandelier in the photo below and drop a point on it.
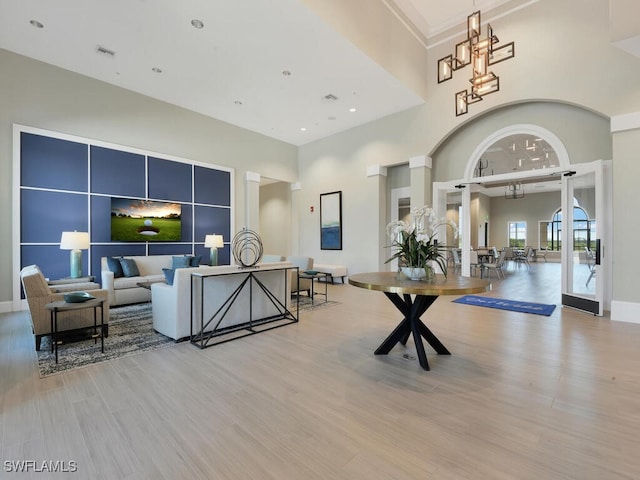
(481, 53)
(514, 191)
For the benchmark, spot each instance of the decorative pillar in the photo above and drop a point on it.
(377, 183)
(252, 201)
(421, 184)
(295, 217)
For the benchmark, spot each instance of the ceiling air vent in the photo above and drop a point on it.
(330, 98)
(105, 51)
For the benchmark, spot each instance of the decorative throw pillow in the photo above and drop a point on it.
(180, 262)
(194, 261)
(129, 267)
(169, 273)
(114, 266)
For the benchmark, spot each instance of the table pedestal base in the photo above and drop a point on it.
(412, 309)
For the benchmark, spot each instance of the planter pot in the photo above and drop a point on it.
(414, 273)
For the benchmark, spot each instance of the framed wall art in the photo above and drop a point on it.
(331, 221)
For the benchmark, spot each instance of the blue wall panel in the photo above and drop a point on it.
(187, 223)
(211, 220)
(169, 249)
(114, 172)
(169, 180)
(100, 218)
(52, 163)
(212, 187)
(53, 262)
(45, 215)
(59, 196)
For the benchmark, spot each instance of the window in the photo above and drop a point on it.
(517, 234)
(583, 231)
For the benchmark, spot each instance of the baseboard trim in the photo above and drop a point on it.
(625, 311)
(6, 307)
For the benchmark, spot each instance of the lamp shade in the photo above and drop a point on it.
(74, 241)
(213, 241)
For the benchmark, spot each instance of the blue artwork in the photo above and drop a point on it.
(331, 221)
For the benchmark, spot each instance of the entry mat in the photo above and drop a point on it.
(502, 304)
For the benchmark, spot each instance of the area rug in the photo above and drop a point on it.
(305, 303)
(502, 304)
(130, 332)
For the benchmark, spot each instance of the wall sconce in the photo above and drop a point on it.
(76, 242)
(214, 242)
(480, 53)
(514, 191)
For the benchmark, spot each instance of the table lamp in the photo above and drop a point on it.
(214, 242)
(76, 242)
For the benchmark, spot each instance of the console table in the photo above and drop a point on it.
(246, 301)
(425, 294)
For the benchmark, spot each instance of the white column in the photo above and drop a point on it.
(421, 184)
(252, 201)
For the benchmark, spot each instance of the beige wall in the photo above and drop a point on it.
(275, 218)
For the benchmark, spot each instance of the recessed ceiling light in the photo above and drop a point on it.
(352, 109)
(157, 70)
(303, 129)
(36, 24)
(197, 23)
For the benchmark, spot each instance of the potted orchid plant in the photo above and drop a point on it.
(417, 249)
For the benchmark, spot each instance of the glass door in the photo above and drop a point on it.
(582, 245)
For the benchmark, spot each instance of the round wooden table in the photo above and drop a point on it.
(393, 285)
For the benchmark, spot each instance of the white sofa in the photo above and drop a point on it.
(171, 304)
(124, 290)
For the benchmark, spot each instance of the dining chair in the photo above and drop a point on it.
(591, 263)
(457, 264)
(496, 266)
(473, 261)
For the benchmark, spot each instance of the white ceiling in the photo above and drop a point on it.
(232, 69)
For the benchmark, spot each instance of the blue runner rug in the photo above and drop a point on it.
(525, 307)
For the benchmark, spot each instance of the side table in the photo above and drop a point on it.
(62, 306)
(314, 279)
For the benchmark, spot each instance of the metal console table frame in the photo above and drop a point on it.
(62, 306)
(210, 333)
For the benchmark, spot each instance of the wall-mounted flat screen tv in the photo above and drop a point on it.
(134, 220)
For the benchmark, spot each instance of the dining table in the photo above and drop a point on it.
(413, 298)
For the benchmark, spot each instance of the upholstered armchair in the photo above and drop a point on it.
(300, 284)
(39, 293)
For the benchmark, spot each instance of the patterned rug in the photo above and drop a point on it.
(130, 332)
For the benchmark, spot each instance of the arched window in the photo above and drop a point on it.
(583, 230)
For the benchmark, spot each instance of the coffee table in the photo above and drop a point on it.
(424, 294)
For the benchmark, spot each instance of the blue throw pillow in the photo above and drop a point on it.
(115, 267)
(129, 267)
(169, 273)
(180, 262)
(194, 261)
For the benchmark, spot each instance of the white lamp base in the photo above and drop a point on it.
(213, 259)
(75, 262)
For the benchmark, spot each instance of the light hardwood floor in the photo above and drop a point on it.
(521, 397)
